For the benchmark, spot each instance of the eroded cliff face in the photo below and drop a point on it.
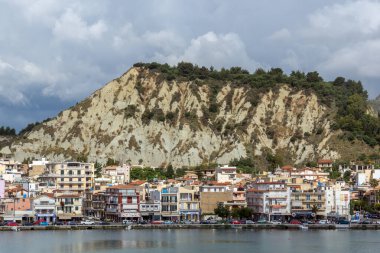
(140, 116)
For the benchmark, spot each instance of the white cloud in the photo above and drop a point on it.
(362, 59)
(347, 19)
(280, 35)
(211, 49)
(70, 26)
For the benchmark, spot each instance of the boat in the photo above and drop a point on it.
(303, 227)
(15, 229)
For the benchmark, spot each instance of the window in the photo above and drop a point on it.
(62, 179)
(297, 197)
(319, 205)
(307, 197)
(62, 172)
(319, 197)
(308, 206)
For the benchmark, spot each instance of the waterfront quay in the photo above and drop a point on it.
(194, 226)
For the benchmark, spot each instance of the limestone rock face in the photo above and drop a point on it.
(139, 116)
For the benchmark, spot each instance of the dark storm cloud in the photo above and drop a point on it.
(54, 53)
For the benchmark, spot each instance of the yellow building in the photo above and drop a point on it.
(188, 204)
(75, 177)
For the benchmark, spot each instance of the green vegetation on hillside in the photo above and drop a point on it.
(7, 131)
(346, 96)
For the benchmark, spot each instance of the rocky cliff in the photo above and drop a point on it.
(143, 117)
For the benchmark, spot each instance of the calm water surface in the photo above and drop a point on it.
(198, 241)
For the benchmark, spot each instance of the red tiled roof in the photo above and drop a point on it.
(287, 167)
(137, 182)
(324, 161)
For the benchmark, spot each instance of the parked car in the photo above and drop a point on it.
(275, 222)
(11, 224)
(323, 222)
(27, 224)
(235, 222)
(142, 222)
(37, 222)
(365, 222)
(72, 223)
(59, 223)
(168, 222)
(127, 222)
(295, 222)
(262, 221)
(342, 222)
(186, 222)
(157, 222)
(249, 222)
(44, 223)
(87, 222)
(103, 223)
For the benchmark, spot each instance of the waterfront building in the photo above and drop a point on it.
(189, 204)
(122, 202)
(150, 205)
(213, 193)
(270, 200)
(44, 208)
(169, 203)
(308, 203)
(98, 205)
(68, 206)
(337, 201)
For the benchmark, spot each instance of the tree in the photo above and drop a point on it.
(98, 169)
(111, 162)
(245, 212)
(373, 183)
(180, 172)
(347, 176)
(222, 211)
(235, 213)
(169, 171)
(315, 210)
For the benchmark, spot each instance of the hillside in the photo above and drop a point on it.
(186, 116)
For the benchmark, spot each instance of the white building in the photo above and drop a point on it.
(337, 201)
(44, 208)
(271, 199)
(226, 174)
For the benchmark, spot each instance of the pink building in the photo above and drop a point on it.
(2, 188)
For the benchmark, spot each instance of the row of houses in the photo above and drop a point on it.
(70, 191)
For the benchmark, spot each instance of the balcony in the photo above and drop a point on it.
(130, 206)
(111, 210)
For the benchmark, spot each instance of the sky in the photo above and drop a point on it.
(55, 53)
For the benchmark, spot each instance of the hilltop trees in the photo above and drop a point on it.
(7, 131)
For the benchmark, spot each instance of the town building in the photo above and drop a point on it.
(270, 200)
(44, 208)
(122, 202)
